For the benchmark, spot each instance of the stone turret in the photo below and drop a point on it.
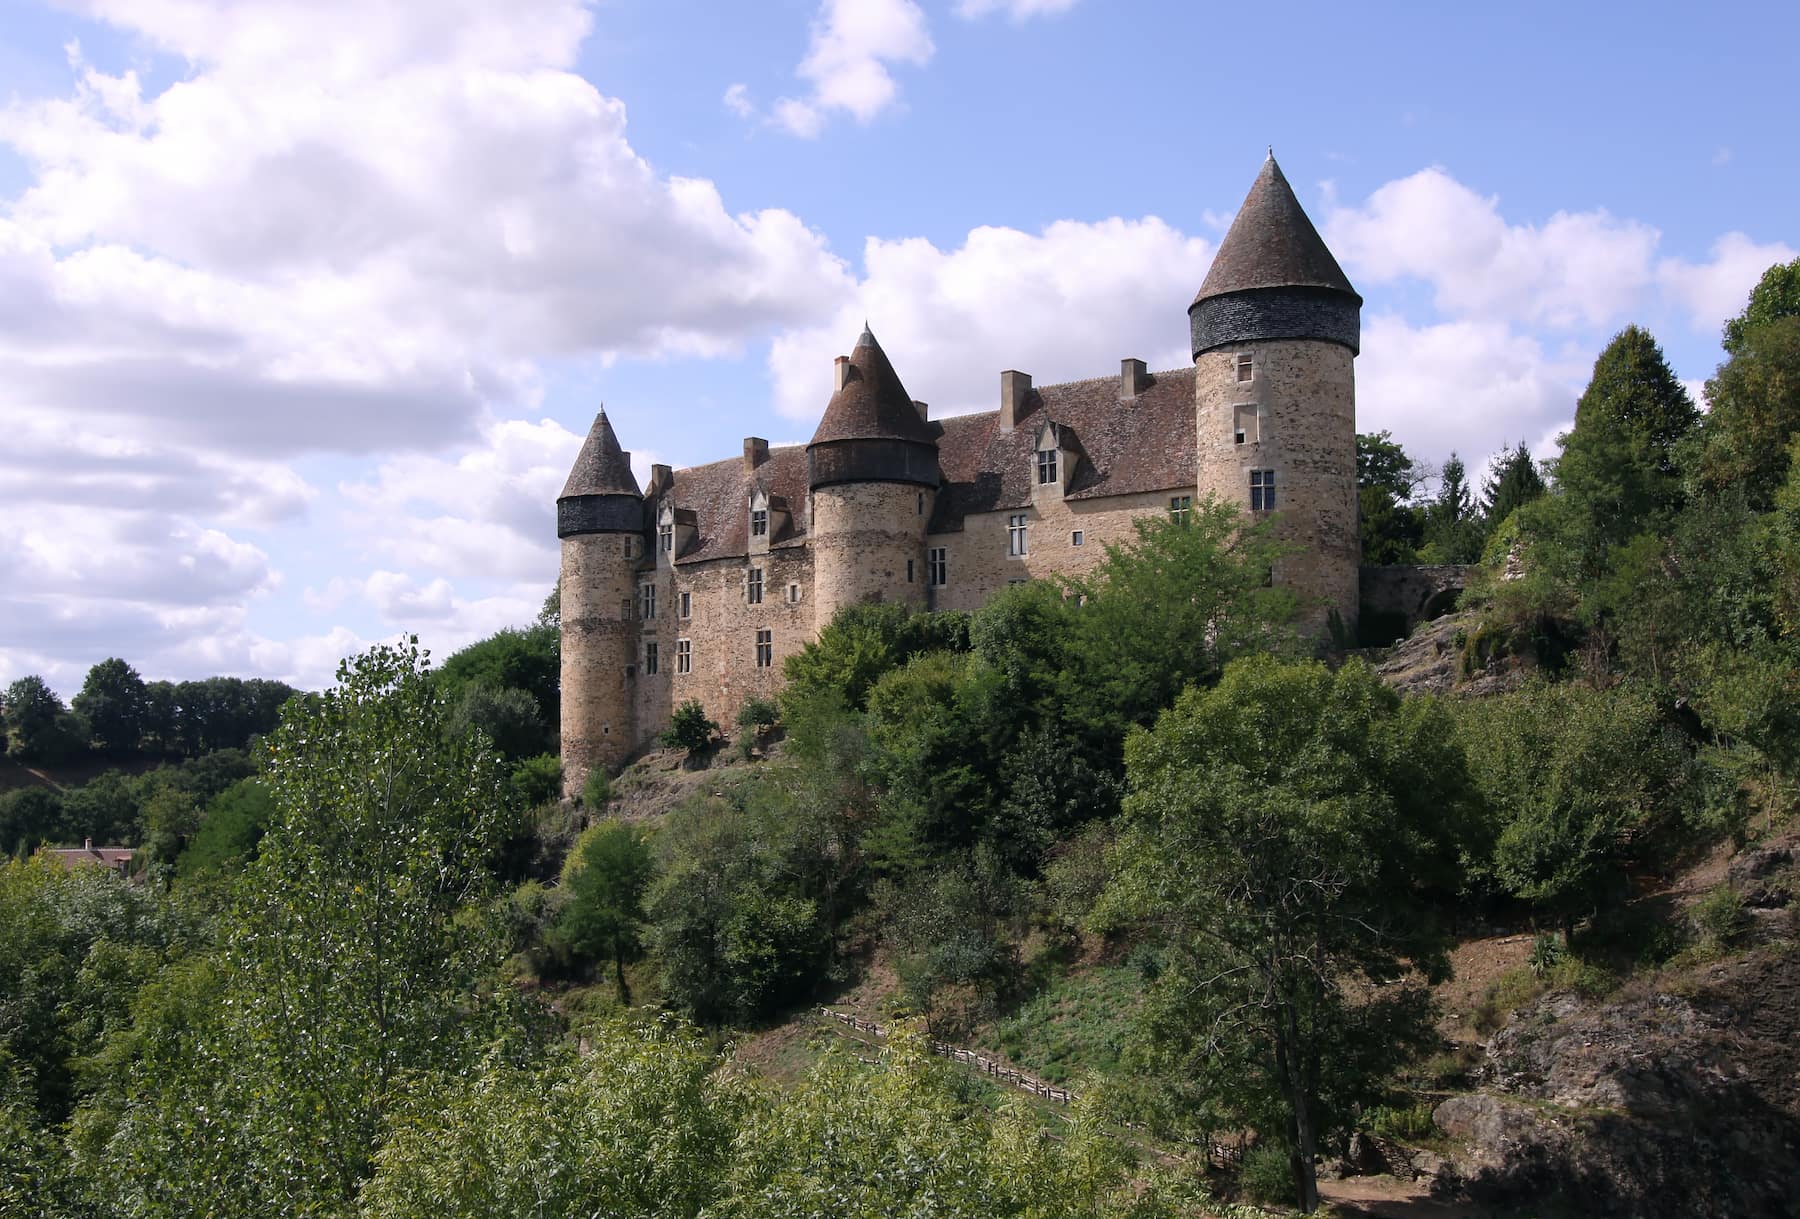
(872, 467)
(1276, 327)
(600, 521)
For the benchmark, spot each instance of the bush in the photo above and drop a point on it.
(1405, 1125)
(1547, 953)
(538, 780)
(1510, 991)
(1267, 1175)
(1718, 918)
(597, 790)
(689, 729)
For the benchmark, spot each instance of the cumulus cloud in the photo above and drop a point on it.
(1065, 303)
(853, 44)
(347, 227)
(1713, 291)
(1018, 10)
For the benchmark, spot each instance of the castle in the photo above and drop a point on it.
(701, 584)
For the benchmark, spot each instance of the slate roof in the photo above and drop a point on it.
(718, 494)
(873, 404)
(116, 858)
(1272, 244)
(1124, 446)
(602, 467)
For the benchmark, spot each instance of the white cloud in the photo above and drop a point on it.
(737, 100)
(1062, 304)
(1018, 10)
(1577, 269)
(853, 44)
(1711, 292)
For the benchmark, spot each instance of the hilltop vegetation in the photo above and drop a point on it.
(1131, 828)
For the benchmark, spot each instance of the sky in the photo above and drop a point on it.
(305, 305)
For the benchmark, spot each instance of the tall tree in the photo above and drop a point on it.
(1776, 295)
(1284, 833)
(1387, 479)
(604, 917)
(1452, 532)
(114, 700)
(1512, 483)
(1618, 470)
(1755, 399)
(41, 728)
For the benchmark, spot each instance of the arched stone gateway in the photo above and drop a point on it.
(1397, 599)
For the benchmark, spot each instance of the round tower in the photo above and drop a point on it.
(600, 521)
(872, 468)
(1276, 328)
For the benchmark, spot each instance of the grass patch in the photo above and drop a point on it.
(1076, 1024)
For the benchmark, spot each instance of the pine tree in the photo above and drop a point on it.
(1513, 483)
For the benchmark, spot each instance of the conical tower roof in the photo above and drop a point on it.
(1272, 244)
(872, 403)
(602, 467)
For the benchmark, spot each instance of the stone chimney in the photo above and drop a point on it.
(1134, 378)
(924, 410)
(1015, 387)
(840, 374)
(660, 478)
(756, 451)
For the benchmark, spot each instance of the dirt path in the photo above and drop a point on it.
(1386, 1198)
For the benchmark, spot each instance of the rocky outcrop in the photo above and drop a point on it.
(1654, 1105)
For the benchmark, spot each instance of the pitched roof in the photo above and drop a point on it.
(602, 467)
(718, 494)
(74, 857)
(872, 404)
(1272, 244)
(1124, 446)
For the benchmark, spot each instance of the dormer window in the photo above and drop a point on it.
(759, 522)
(1046, 467)
(665, 537)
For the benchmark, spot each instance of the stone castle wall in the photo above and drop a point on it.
(1299, 414)
(868, 544)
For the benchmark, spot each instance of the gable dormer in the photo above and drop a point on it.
(675, 530)
(1053, 457)
(760, 528)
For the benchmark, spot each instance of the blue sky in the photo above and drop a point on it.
(305, 304)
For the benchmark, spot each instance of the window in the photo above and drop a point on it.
(1046, 467)
(759, 522)
(765, 649)
(1015, 534)
(665, 537)
(909, 571)
(936, 567)
(1246, 424)
(1075, 538)
(652, 661)
(684, 656)
(684, 605)
(625, 609)
(631, 547)
(1179, 507)
(753, 587)
(921, 503)
(1246, 368)
(1262, 490)
(793, 594)
(647, 600)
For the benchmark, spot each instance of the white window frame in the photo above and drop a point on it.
(1046, 467)
(765, 649)
(937, 566)
(1018, 540)
(1180, 506)
(684, 656)
(759, 522)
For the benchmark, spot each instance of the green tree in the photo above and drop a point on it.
(861, 643)
(1513, 482)
(689, 729)
(1387, 478)
(1452, 529)
(1381, 463)
(1755, 400)
(603, 918)
(29, 816)
(1286, 834)
(42, 729)
(507, 717)
(1618, 471)
(230, 830)
(1776, 296)
(1575, 780)
(114, 701)
(516, 658)
(352, 960)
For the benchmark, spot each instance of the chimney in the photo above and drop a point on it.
(87, 844)
(660, 477)
(756, 451)
(841, 373)
(1134, 378)
(1015, 387)
(923, 409)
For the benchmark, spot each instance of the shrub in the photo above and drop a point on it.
(536, 781)
(1510, 991)
(1547, 953)
(689, 729)
(1718, 918)
(1267, 1175)
(597, 790)
(1406, 1125)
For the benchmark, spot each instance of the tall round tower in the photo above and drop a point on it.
(873, 471)
(600, 520)
(1276, 328)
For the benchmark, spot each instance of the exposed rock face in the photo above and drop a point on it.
(1657, 1105)
(1429, 661)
